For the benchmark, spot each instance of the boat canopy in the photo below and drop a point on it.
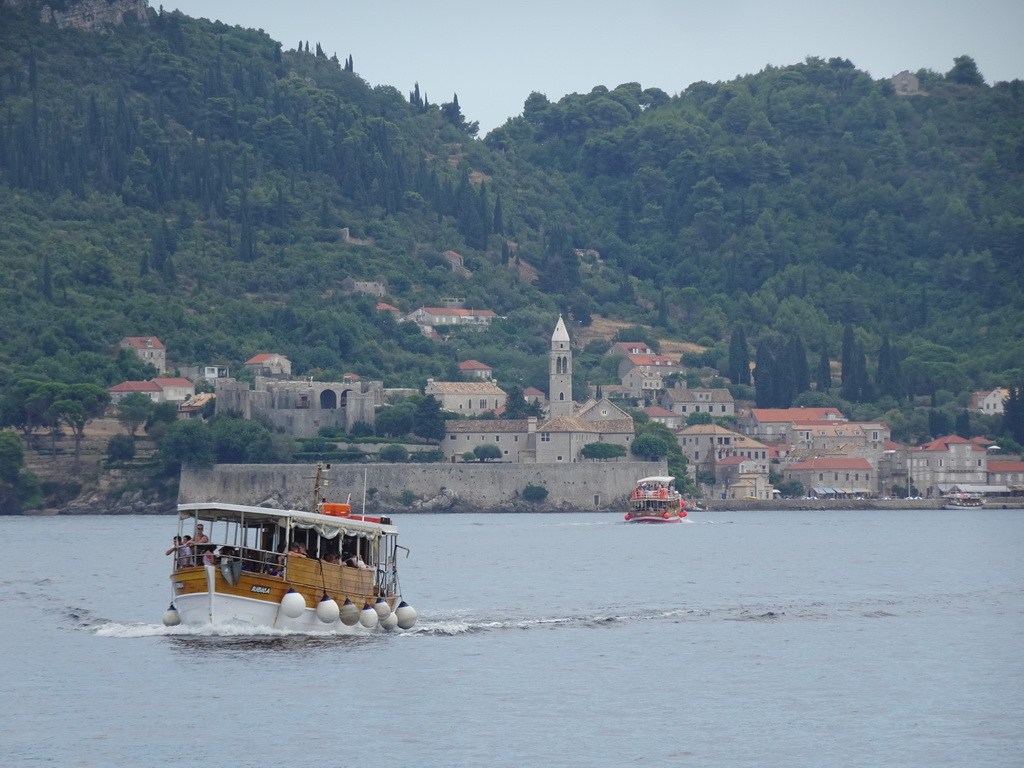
(327, 526)
(971, 488)
(663, 479)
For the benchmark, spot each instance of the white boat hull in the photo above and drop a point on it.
(225, 610)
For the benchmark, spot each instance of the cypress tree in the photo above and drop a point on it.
(847, 360)
(764, 377)
(739, 358)
(963, 424)
(498, 227)
(824, 378)
(798, 360)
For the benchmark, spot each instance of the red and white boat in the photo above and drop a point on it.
(656, 500)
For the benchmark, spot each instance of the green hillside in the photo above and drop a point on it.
(195, 181)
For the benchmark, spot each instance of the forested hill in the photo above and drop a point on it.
(195, 181)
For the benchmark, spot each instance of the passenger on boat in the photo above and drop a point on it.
(331, 557)
(185, 559)
(201, 538)
(174, 547)
(208, 557)
(357, 562)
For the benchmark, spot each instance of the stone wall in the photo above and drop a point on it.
(437, 487)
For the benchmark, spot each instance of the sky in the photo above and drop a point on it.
(494, 55)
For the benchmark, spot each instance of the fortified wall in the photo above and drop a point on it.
(438, 487)
(301, 408)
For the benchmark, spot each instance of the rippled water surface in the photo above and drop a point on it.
(735, 639)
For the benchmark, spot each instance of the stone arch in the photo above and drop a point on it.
(328, 400)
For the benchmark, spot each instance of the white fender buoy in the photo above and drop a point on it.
(349, 613)
(327, 611)
(381, 607)
(293, 604)
(368, 617)
(389, 622)
(406, 615)
(171, 617)
(228, 572)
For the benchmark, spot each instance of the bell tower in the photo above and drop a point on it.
(560, 373)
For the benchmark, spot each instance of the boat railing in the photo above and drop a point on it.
(654, 493)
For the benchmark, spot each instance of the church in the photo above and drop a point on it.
(557, 438)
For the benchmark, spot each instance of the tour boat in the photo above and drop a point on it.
(962, 501)
(308, 571)
(656, 500)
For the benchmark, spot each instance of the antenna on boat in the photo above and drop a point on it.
(364, 490)
(319, 481)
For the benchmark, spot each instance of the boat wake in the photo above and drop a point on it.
(135, 630)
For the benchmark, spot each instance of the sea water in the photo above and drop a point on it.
(881, 638)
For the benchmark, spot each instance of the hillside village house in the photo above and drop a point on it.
(639, 382)
(740, 478)
(376, 288)
(148, 348)
(395, 312)
(471, 398)
(776, 423)
(683, 400)
(208, 373)
(662, 365)
(561, 436)
(159, 390)
(732, 458)
(841, 477)
(990, 402)
(474, 369)
(437, 319)
(938, 465)
(627, 348)
(271, 365)
(659, 415)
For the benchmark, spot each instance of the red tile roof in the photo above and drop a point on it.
(943, 443)
(796, 414)
(175, 381)
(473, 365)
(143, 342)
(1006, 466)
(263, 358)
(657, 412)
